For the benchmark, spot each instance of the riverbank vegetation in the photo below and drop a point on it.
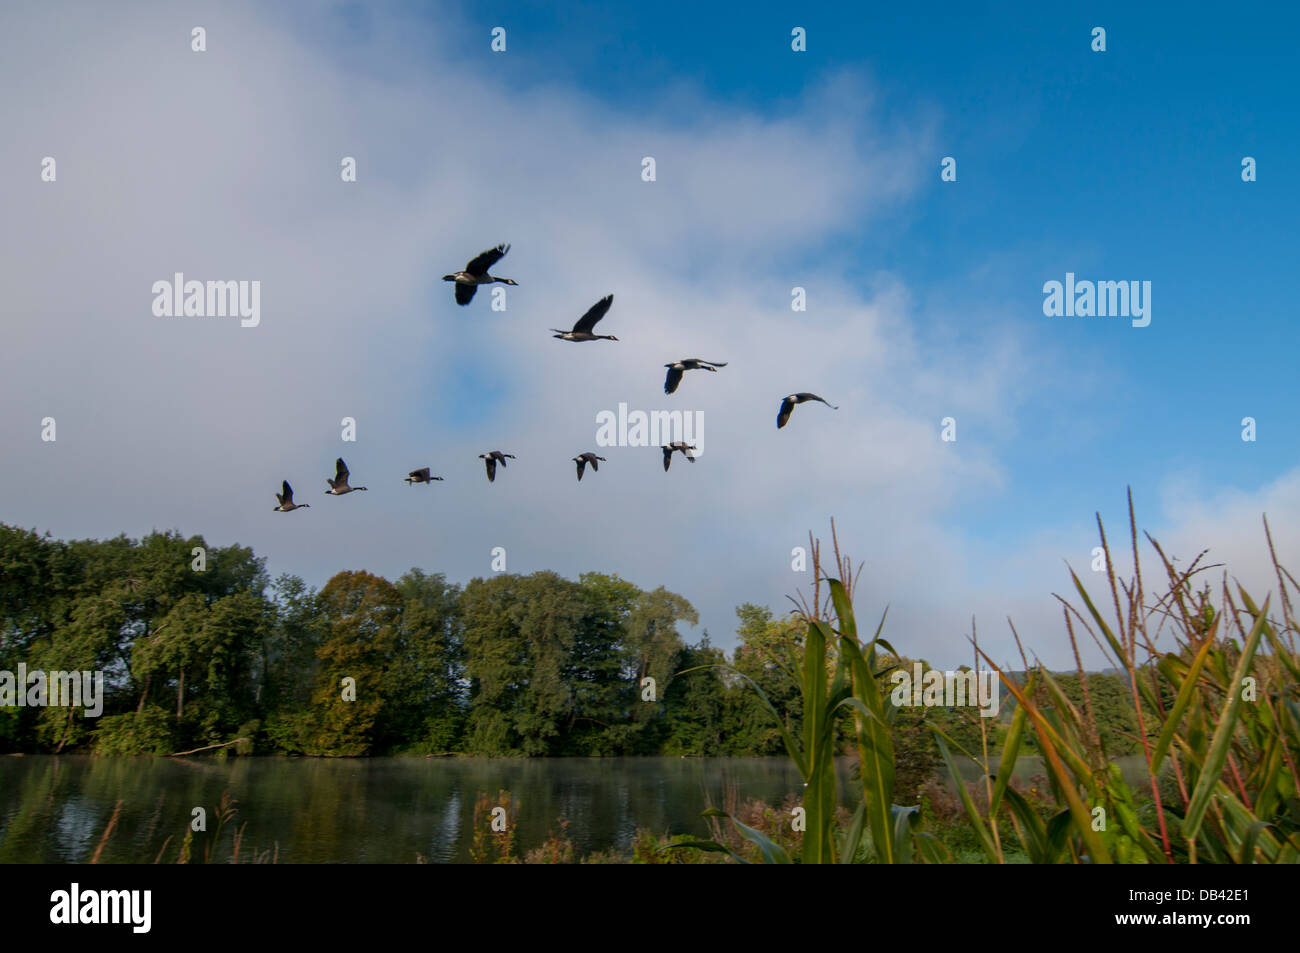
(534, 665)
(1221, 750)
(541, 665)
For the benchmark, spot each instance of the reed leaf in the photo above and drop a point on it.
(1186, 691)
(772, 852)
(1218, 752)
(875, 750)
(853, 836)
(972, 812)
(1031, 829)
(1065, 784)
(1010, 751)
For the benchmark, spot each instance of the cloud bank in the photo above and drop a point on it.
(225, 165)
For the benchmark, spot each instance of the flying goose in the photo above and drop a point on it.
(286, 501)
(490, 460)
(583, 459)
(680, 445)
(582, 329)
(476, 273)
(421, 476)
(787, 407)
(677, 368)
(339, 485)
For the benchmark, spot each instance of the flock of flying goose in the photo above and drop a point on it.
(465, 283)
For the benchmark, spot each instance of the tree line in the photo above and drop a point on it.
(203, 650)
(200, 647)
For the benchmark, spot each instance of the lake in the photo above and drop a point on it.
(54, 809)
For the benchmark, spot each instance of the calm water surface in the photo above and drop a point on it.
(370, 810)
(53, 809)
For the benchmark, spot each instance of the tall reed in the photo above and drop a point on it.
(1218, 717)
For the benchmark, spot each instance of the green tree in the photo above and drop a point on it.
(287, 666)
(519, 632)
(424, 694)
(767, 651)
(695, 703)
(601, 720)
(653, 650)
(363, 614)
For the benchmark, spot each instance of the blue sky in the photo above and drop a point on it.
(1117, 164)
(775, 169)
(1122, 164)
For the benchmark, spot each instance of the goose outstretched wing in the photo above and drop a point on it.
(594, 314)
(478, 267)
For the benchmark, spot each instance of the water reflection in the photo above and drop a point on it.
(53, 809)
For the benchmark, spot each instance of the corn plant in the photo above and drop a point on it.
(838, 675)
(1218, 726)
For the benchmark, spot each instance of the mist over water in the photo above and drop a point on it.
(53, 809)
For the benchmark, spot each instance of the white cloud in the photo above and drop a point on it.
(224, 165)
